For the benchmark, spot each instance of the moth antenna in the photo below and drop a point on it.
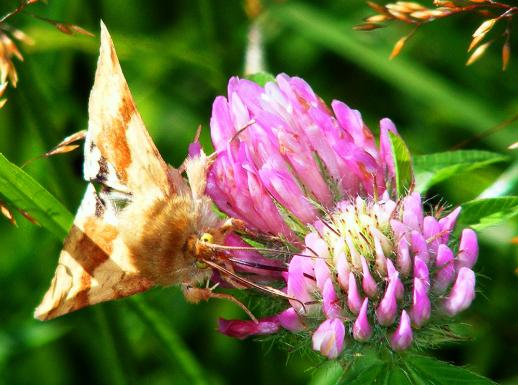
(196, 139)
(213, 156)
(198, 134)
(265, 289)
(240, 131)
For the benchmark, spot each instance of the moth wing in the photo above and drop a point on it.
(94, 266)
(119, 153)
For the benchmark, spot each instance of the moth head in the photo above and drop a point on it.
(201, 247)
(207, 238)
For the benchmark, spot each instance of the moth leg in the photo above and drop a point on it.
(196, 295)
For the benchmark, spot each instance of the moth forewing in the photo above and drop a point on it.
(118, 249)
(119, 151)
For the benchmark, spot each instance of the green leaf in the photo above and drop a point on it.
(407, 369)
(434, 168)
(482, 213)
(261, 78)
(328, 374)
(428, 370)
(363, 369)
(402, 164)
(26, 194)
(369, 375)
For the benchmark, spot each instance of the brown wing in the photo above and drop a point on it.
(118, 149)
(95, 264)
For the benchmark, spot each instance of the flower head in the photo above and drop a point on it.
(302, 174)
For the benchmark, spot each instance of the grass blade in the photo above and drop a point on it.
(25, 193)
(172, 343)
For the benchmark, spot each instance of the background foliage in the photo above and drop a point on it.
(177, 57)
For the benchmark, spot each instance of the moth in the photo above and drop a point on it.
(140, 223)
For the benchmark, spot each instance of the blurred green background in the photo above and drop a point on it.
(177, 57)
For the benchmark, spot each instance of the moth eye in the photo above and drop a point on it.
(201, 265)
(207, 238)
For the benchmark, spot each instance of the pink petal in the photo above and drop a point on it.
(290, 320)
(243, 329)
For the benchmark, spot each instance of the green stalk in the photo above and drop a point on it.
(176, 349)
(117, 372)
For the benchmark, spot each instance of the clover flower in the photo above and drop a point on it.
(368, 266)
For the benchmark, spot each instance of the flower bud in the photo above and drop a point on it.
(413, 211)
(418, 246)
(322, 273)
(445, 269)
(468, 249)
(330, 300)
(421, 307)
(402, 337)
(391, 270)
(362, 330)
(342, 270)
(354, 300)
(462, 292)
(404, 263)
(381, 260)
(328, 339)
(368, 283)
(431, 232)
(448, 223)
(421, 272)
(387, 309)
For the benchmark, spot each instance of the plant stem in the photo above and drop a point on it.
(116, 371)
(173, 344)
